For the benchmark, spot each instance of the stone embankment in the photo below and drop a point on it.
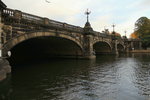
(4, 68)
(140, 51)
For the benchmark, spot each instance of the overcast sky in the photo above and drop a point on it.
(123, 13)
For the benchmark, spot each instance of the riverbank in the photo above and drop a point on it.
(4, 68)
(140, 51)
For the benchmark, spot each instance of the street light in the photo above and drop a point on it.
(113, 28)
(125, 32)
(113, 33)
(87, 13)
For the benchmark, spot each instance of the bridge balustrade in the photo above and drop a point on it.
(25, 18)
(133, 39)
(79, 29)
(8, 12)
(102, 34)
(55, 23)
(65, 26)
(39, 20)
(32, 18)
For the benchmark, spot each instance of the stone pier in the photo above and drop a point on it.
(4, 69)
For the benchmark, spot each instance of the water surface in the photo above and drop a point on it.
(108, 77)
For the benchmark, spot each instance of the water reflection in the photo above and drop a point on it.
(126, 77)
(5, 89)
(142, 74)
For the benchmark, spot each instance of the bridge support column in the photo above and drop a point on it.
(114, 49)
(140, 45)
(88, 40)
(88, 47)
(132, 45)
(127, 48)
(0, 35)
(2, 6)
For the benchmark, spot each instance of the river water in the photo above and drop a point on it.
(125, 77)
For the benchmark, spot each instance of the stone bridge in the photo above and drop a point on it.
(27, 36)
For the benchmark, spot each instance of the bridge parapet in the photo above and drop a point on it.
(23, 18)
(104, 35)
(23, 23)
(16, 16)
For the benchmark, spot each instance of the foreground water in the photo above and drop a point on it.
(106, 78)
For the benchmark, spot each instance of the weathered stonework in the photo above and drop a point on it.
(20, 26)
(4, 69)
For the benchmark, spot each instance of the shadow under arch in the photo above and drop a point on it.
(42, 45)
(102, 47)
(120, 48)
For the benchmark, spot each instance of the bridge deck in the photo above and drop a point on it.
(24, 22)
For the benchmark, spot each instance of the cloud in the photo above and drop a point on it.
(106, 22)
(145, 3)
(126, 26)
(100, 22)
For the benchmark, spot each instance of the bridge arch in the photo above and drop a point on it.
(120, 48)
(10, 44)
(102, 47)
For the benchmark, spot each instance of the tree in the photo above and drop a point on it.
(142, 30)
(115, 35)
(134, 35)
(118, 34)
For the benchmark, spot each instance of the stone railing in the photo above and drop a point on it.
(8, 12)
(22, 17)
(104, 35)
(18, 15)
(32, 18)
(134, 39)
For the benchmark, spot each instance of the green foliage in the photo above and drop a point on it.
(142, 30)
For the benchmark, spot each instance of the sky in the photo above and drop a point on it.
(104, 13)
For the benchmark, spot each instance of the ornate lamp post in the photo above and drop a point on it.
(113, 33)
(114, 41)
(87, 28)
(125, 32)
(87, 13)
(113, 28)
(125, 35)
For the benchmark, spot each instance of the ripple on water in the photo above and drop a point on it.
(108, 78)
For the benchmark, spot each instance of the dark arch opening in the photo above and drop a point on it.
(148, 46)
(102, 48)
(120, 48)
(40, 48)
